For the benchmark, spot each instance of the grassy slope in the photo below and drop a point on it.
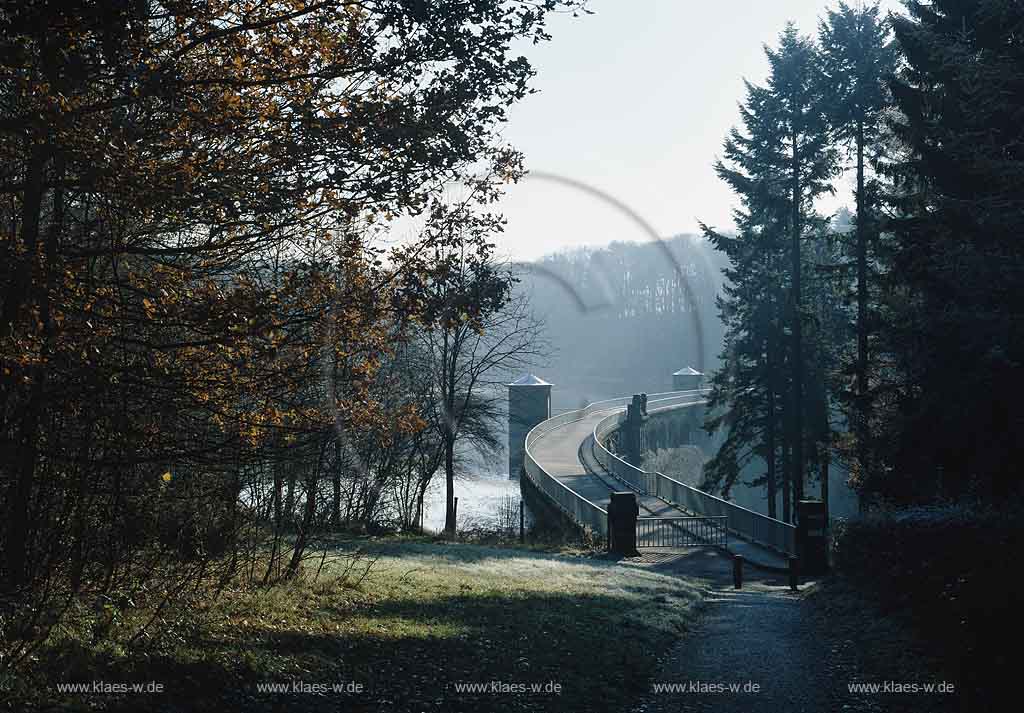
(429, 616)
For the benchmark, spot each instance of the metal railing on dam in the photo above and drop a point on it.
(742, 522)
(581, 510)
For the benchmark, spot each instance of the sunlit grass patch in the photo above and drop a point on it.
(411, 623)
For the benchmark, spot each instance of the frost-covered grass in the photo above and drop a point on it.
(425, 619)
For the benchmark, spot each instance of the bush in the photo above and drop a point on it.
(948, 570)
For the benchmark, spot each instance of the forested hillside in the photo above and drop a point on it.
(622, 318)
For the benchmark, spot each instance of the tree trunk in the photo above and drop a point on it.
(309, 512)
(770, 427)
(798, 356)
(451, 356)
(786, 503)
(307, 524)
(289, 500)
(449, 480)
(276, 495)
(824, 445)
(424, 484)
(862, 312)
(417, 523)
(824, 480)
(336, 486)
(19, 495)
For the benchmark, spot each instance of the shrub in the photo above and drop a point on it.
(948, 570)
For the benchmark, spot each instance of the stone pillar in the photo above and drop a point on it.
(529, 403)
(622, 513)
(811, 538)
(636, 416)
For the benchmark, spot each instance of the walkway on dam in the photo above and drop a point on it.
(566, 453)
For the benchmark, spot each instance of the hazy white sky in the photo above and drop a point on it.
(635, 101)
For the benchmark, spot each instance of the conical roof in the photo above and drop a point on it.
(529, 380)
(687, 371)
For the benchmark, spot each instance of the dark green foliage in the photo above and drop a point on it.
(928, 362)
(858, 57)
(752, 308)
(944, 570)
(777, 165)
(910, 317)
(956, 262)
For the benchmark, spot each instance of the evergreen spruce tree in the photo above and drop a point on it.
(953, 290)
(796, 84)
(747, 393)
(858, 58)
(827, 339)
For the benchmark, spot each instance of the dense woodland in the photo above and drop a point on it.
(887, 336)
(206, 344)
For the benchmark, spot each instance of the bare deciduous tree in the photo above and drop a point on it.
(472, 357)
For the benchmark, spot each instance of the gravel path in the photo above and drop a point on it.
(761, 639)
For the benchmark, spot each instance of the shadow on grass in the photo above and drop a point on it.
(406, 653)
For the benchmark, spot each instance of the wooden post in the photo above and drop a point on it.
(794, 572)
(737, 571)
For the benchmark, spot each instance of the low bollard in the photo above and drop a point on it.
(794, 572)
(737, 571)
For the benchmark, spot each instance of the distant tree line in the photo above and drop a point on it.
(887, 338)
(628, 315)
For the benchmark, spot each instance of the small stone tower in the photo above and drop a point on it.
(687, 379)
(529, 403)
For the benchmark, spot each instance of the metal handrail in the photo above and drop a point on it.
(744, 523)
(642, 481)
(581, 510)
